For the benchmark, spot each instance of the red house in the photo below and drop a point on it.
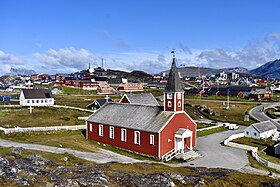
(157, 131)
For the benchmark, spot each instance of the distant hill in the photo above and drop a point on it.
(131, 76)
(269, 70)
(193, 71)
(21, 71)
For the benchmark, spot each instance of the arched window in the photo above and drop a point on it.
(169, 104)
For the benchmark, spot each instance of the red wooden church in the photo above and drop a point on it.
(147, 129)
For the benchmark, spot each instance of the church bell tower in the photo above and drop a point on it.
(173, 93)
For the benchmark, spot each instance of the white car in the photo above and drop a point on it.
(226, 125)
(233, 127)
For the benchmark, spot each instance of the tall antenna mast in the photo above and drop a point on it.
(102, 62)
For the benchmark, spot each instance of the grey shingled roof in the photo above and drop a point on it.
(37, 93)
(143, 99)
(264, 126)
(138, 117)
(174, 81)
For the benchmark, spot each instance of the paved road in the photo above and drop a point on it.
(103, 156)
(217, 156)
(258, 114)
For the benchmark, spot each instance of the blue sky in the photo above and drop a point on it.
(65, 35)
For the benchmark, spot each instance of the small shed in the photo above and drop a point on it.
(261, 130)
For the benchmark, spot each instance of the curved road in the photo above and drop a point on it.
(215, 155)
(258, 114)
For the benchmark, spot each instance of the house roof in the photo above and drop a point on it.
(174, 81)
(143, 99)
(101, 102)
(138, 117)
(37, 93)
(264, 126)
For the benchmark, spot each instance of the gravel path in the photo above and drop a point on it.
(103, 156)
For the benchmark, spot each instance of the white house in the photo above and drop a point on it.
(36, 97)
(262, 130)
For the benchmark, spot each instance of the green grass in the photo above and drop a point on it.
(67, 139)
(40, 117)
(235, 114)
(123, 152)
(75, 91)
(193, 112)
(211, 131)
(155, 92)
(260, 144)
(203, 125)
(270, 113)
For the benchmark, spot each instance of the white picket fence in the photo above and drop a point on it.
(207, 128)
(50, 128)
(254, 150)
(71, 107)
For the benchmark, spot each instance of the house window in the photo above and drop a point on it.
(152, 139)
(28, 101)
(90, 127)
(169, 104)
(247, 132)
(37, 101)
(123, 135)
(169, 96)
(179, 104)
(100, 132)
(33, 101)
(42, 101)
(46, 100)
(179, 95)
(255, 134)
(111, 133)
(137, 137)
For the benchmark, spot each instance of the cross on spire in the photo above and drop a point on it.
(173, 53)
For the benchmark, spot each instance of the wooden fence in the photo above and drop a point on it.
(253, 150)
(50, 128)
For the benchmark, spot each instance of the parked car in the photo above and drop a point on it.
(226, 125)
(233, 127)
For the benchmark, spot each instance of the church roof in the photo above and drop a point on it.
(142, 99)
(37, 93)
(174, 81)
(138, 117)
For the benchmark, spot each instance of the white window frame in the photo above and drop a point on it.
(179, 103)
(123, 135)
(137, 137)
(90, 127)
(111, 132)
(100, 130)
(152, 139)
(179, 95)
(169, 103)
(169, 96)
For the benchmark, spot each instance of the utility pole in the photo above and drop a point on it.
(228, 99)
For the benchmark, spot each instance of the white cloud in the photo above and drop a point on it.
(8, 61)
(70, 59)
(66, 59)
